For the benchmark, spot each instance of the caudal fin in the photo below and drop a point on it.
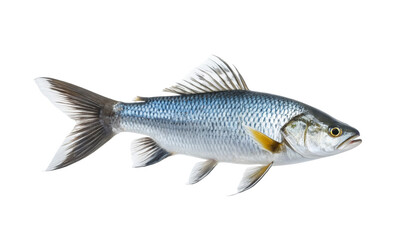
(92, 114)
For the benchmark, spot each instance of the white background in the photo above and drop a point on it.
(357, 60)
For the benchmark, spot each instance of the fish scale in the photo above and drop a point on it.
(210, 125)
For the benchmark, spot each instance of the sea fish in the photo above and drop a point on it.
(213, 116)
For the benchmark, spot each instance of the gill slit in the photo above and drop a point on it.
(304, 136)
(285, 142)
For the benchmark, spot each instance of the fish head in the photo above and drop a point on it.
(315, 134)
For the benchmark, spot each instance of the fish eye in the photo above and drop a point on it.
(335, 131)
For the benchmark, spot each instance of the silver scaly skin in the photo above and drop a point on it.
(212, 125)
(215, 117)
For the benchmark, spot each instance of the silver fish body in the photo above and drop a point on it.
(214, 117)
(213, 125)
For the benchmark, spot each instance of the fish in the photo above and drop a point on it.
(212, 115)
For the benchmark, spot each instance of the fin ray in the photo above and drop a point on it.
(91, 113)
(265, 141)
(252, 176)
(145, 151)
(213, 76)
(201, 170)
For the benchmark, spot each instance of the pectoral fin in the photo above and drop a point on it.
(201, 170)
(252, 176)
(266, 142)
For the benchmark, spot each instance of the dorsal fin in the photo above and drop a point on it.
(214, 75)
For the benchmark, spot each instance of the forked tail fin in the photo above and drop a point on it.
(92, 114)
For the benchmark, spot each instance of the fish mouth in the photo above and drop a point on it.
(350, 143)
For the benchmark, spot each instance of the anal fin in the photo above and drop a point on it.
(201, 170)
(252, 176)
(145, 151)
